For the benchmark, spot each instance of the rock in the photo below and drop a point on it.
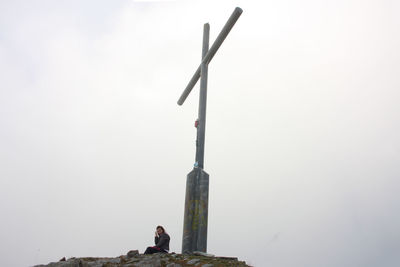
(193, 261)
(228, 258)
(199, 253)
(69, 263)
(134, 259)
(132, 253)
(149, 262)
(63, 259)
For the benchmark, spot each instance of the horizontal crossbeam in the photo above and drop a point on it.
(210, 54)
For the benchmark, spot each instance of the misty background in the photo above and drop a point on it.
(302, 137)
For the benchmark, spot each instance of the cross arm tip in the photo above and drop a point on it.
(238, 9)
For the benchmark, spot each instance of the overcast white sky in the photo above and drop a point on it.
(302, 139)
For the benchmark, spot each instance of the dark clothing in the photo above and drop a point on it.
(152, 250)
(162, 241)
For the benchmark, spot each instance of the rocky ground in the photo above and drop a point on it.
(134, 259)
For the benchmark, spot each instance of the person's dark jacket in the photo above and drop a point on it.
(162, 241)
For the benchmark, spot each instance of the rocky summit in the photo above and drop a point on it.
(134, 259)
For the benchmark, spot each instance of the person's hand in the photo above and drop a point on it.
(156, 234)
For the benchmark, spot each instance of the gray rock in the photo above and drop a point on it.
(92, 264)
(101, 262)
(228, 258)
(150, 261)
(69, 263)
(199, 253)
(133, 258)
(193, 261)
(132, 253)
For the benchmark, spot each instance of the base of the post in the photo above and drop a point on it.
(196, 212)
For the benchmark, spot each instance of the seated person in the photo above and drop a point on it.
(161, 240)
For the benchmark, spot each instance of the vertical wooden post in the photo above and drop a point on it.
(195, 223)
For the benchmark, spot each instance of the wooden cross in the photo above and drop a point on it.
(197, 183)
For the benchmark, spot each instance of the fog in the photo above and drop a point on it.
(302, 138)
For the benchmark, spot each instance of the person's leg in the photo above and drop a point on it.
(148, 250)
(151, 250)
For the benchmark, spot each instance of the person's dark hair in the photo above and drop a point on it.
(162, 228)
